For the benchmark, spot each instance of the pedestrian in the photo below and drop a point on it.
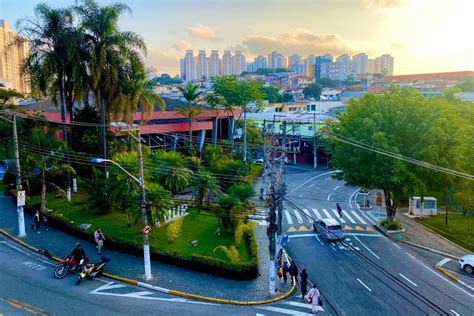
(313, 298)
(293, 269)
(285, 269)
(339, 209)
(37, 221)
(45, 222)
(99, 240)
(304, 283)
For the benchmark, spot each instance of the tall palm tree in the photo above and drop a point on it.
(171, 170)
(204, 184)
(109, 49)
(190, 109)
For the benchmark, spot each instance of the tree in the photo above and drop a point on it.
(313, 90)
(272, 94)
(171, 170)
(215, 102)
(190, 109)
(203, 185)
(7, 94)
(239, 93)
(466, 86)
(327, 83)
(386, 122)
(158, 200)
(287, 97)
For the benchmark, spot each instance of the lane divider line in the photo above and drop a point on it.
(368, 288)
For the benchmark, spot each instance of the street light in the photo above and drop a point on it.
(141, 181)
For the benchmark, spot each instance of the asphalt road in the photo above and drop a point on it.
(367, 274)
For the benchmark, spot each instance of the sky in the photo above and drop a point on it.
(422, 35)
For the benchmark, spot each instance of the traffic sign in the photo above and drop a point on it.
(146, 229)
(20, 198)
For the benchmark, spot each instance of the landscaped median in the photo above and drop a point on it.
(215, 253)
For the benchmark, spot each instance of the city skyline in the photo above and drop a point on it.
(341, 27)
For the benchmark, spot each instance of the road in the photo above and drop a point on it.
(367, 274)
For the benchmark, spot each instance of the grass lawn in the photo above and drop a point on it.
(457, 231)
(114, 226)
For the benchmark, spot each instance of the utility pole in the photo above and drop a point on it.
(262, 187)
(146, 244)
(272, 228)
(21, 215)
(245, 135)
(315, 158)
(281, 182)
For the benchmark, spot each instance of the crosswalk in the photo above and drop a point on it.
(305, 217)
(293, 306)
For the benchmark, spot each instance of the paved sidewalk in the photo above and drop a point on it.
(128, 266)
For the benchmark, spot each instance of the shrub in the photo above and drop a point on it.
(394, 225)
(239, 232)
(174, 230)
(231, 252)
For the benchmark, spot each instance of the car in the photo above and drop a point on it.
(258, 161)
(467, 263)
(329, 229)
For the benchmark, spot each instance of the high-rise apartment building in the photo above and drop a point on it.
(259, 62)
(340, 70)
(227, 63)
(384, 64)
(276, 60)
(189, 66)
(294, 59)
(201, 65)
(319, 60)
(371, 66)
(361, 63)
(238, 63)
(14, 50)
(214, 64)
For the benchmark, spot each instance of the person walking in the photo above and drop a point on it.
(37, 221)
(285, 269)
(45, 222)
(293, 269)
(339, 209)
(313, 298)
(304, 283)
(99, 240)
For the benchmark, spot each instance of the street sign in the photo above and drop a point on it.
(146, 229)
(20, 198)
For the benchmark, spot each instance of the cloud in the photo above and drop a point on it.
(165, 61)
(384, 3)
(396, 46)
(203, 32)
(181, 46)
(300, 41)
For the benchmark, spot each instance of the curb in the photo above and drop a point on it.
(417, 245)
(453, 277)
(164, 290)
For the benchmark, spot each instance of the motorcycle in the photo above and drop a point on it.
(64, 266)
(92, 270)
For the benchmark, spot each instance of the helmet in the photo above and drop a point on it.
(78, 245)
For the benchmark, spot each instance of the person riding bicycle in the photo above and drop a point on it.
(78, 253)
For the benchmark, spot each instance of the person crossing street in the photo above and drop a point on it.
(339, 209)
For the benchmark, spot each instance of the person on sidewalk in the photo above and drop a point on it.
(99, 240)
(45, 222)
(285, 271)
(304, 283)
(293, 269)
(339, 209)
(37, 221)
(313, 298)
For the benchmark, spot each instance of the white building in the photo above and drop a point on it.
(227, 63)
(201, 65)
(214, 64)
(189, 66)
(342, 68)
(384, 64)
(238, 63)
(259, 62)
(294, 59)
(361, 63)
(276, 60)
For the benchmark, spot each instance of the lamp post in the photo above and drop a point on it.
(141, 182)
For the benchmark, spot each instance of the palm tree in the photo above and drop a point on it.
(215, 102)
(171, 171)
(159, 201)
(190, 109)
(109, 49)
(204, 184)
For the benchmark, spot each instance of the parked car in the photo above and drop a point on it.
(329, 229)
(467, 263)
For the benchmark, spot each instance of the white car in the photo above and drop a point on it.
(467, 263)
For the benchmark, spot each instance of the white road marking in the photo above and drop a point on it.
(443, 262)
(368, 288)
(376, 220)
(318, 216)
(33, 265)
(395, 244)
(308, 215)
(302, 235)
(301, 195)
(336, 188)
(440, 276)
(368, 218)
(367, 248)
(288, 217)
(407, 279)
(322, 244)
(312, 185)
(411, 256)
(320, 175)
(356, 248)
(138, 294)
(348, 216)
(326, 213)
(350, 198)
(304, 305)
(337, 216)
(108, 286)
(455, 313)
(329, 196)
(358, 217)
(298, 216)
(362, 234)
(27, 253)
(285, 311)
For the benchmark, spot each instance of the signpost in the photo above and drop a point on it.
(20, 198)
(146, 229)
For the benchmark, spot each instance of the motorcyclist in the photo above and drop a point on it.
(78, 254)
